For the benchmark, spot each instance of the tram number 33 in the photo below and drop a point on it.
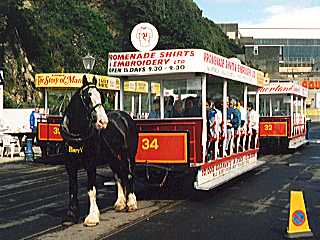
(150, 143)
(268, 127)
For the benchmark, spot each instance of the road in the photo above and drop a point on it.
(254, 206)
(33, 199)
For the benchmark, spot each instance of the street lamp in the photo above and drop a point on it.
(88, 62)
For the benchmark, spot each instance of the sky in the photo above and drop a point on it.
(298, 14)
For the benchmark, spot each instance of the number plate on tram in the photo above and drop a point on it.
(162, 147)
(273, 129)
(49, 132)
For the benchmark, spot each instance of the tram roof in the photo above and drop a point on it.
(177, 61)
(284, 88)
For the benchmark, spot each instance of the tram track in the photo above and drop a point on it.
(55, 228)
(82, 175)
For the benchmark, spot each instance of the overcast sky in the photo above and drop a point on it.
(267, 14)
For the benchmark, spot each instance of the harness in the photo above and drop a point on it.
(76, 139)
(124, 135)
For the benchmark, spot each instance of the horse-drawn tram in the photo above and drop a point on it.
(198, 125)
(282, 115)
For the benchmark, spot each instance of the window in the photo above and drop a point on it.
(182, 98)
(255, 50)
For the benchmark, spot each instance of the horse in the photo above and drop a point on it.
(92, 135)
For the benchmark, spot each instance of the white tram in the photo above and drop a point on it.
(176, 135)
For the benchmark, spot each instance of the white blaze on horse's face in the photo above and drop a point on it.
(102, 118)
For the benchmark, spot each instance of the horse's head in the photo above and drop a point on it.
(92, 103)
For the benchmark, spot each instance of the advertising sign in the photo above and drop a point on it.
(284, 88)
(180, 61)
(74, 80)
(144, 37)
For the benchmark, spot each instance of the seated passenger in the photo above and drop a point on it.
(177, 110)
(188, 107)
(156, 112)
(168, 106)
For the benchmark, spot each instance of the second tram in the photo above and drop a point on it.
(282, 115)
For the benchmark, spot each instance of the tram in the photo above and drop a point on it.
(176, 136)
(59, 87)
(282, 115)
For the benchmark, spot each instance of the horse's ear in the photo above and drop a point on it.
(84, 80)
(94, 80)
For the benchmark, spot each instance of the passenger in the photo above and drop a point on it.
(218, 115)
(244, 114)
(237, 120)
(197, 110)
(211, 113)
(253, 120)
(177, 110)
(188, 107)
(232, 122)
(156, 112)
(168, 106)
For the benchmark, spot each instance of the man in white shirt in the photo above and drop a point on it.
(253, 124)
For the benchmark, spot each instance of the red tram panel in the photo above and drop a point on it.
(191, 126)
(274, 126)
(49, 132)
(162, 147)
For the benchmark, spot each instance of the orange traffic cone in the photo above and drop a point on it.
(298, 220)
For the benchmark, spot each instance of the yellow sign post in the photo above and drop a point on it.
(298, 220)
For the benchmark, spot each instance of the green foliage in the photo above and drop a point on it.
(62, 32)
(180, 25)
(56, 34)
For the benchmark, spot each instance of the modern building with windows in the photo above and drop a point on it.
(285, 54)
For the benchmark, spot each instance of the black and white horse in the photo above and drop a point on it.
(93, 136)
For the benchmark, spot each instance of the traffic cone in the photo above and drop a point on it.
(298, 220)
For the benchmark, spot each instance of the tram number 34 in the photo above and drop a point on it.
(150, 143)
(56, 131)
(268, 127)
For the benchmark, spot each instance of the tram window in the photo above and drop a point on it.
(182, 98)
(280, 105)
(264, 105)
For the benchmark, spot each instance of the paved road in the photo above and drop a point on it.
(33, 198)
(254, 206)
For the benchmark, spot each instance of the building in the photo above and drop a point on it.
(284, 54)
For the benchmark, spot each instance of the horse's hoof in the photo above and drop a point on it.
(90, 224)
(132, 208)
(120, 208)
(70, 219)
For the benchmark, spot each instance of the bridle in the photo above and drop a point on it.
(77, 138)
(89, 110)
